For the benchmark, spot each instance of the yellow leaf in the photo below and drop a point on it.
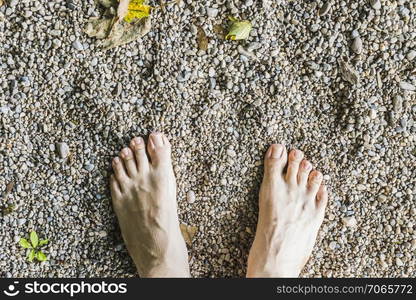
(137, 10)
(188, 233)
(239, 30)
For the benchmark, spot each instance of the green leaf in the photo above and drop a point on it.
(40, 256)
(24, 243)
(239, 30)
(31, 255)
(34, 239)
(43, 242)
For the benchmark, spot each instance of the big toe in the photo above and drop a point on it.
(275, 160)
(159, 148)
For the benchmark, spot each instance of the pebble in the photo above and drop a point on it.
(349, 221)
(21, 221)
(376, 4)
(211, 72)
(190, 196)
(357, 45)
(231, 153)
(326, 7)
(89, 167)
(212, 12)
(407, 86)
(411, 55)
(77, 45)
(63, 150)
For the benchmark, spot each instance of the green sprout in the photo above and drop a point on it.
(34, 246)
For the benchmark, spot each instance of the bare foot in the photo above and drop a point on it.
(144, 199)
(291, 210)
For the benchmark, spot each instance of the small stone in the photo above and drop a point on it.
(407, 86)
(21, 221)
(357, 45)
(325, 8)
(89, 167)
(63, 150)
(376, 4)
(102, 234)
(231, 153)
(411, 55)
(332, 245)
(212, 12)
(190, 196)
(349, 221)
(211, 72)
(397, 104)
(399, 262)
(77, 45)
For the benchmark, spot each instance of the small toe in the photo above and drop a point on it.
(119, 170)
(314, 182)
(159, 148)
(129, 162)
(275, 159)
(295, 157)
(322, 197)
(115, 189)
(138, 147)
(304, 170)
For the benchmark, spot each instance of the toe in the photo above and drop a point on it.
(314, 182)
(129, 162)
(295, 157)
(322, 197)
(139, 149)
(304, 170)
(159, 148)
(119, 170)
(115, 189)
(275, 159)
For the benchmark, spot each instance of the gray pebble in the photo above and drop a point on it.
(63, 150)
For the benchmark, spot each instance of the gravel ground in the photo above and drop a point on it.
(336, 79)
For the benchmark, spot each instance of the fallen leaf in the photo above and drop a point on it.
(137, 9)
(218, 29)
(122, 9)
(10, 185)
(348, 73)
(106, 3)
(98, 28)
(188, 233)
(202, 39)
(239, 30)
(125, 33)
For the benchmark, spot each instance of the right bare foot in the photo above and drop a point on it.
(291, 210)
(144, 199)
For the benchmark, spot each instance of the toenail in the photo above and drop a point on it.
(125, 152)
(116, 160)
(137, 141)
(277, 151)
(298, 154)
(307, 165)
(317, 176)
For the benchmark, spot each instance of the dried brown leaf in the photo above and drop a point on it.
(106, 3)
(123, 33)
(9, 187)
(202, 39)
(348, 73)
(98, 28)
(188, 233)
